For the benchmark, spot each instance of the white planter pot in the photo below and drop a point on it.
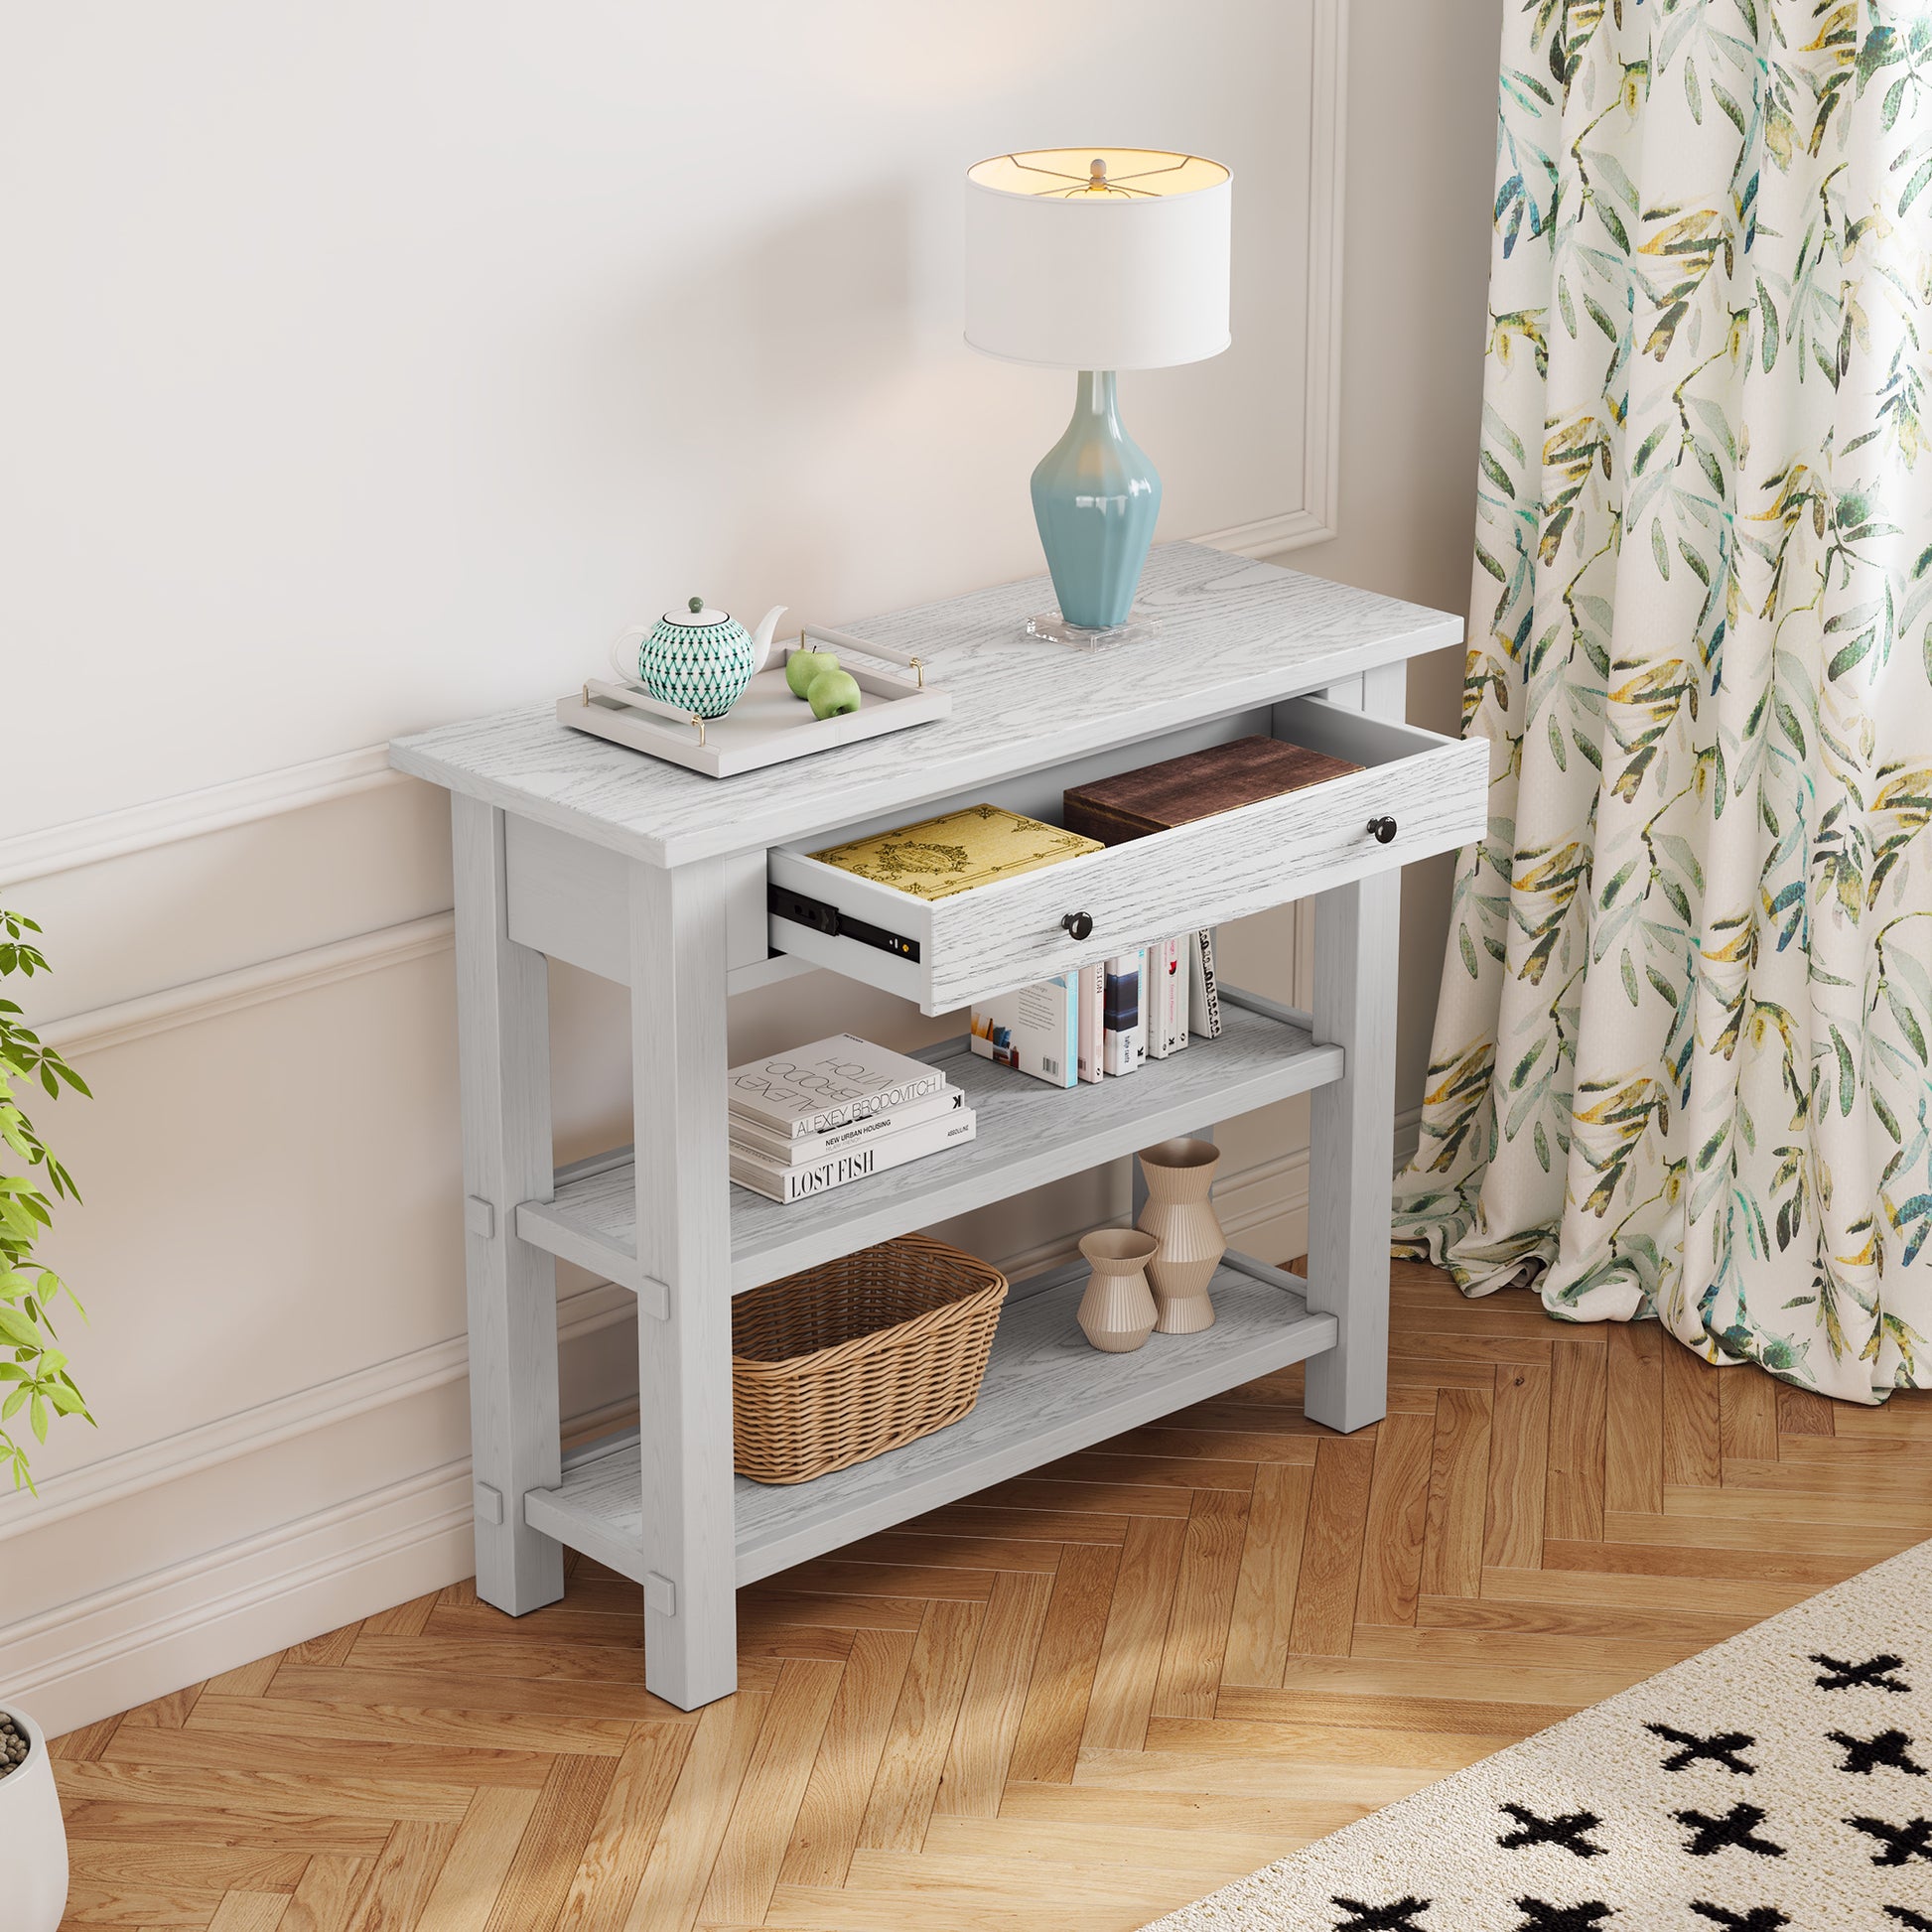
(33, 1841)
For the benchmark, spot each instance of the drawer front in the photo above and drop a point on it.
(1224, 868)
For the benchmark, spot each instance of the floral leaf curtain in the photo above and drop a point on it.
(1680, 1062)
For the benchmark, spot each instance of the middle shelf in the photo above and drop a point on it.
(1029, 1134)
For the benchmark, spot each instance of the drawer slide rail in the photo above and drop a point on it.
(801, 909)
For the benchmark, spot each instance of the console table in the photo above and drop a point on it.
(687, 888)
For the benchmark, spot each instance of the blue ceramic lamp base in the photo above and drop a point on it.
(1096, 498)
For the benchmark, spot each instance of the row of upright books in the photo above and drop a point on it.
(837, 1111)
(1108, 1017)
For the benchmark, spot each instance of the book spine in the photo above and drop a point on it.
(1070, 1028)
(787, 1185)
(1179, 988)
(1206, 994)
(1126, 1021)
(1154, 1001)
(765, 1145)
(898, 1095)
(1092, 1036)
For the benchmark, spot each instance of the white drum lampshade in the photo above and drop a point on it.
(1097, 259)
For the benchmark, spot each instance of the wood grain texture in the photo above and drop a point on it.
(1351, 1145)
(1398, 1512)
(996, 1694)
(1332, 1549)
(1693, 1447)
(1249, 632)
(503, 1041)
(919, 1738)
(1109, 1715)
(1459, 1478)
(1574, 1497)
(747, 1871)
(470, 1891)
(681, 1185)
(620, 1844)
(1056, 1713)
(1747, 1419)
(1271, 1564)
(1633, 1474)
(1128, 1666)
(826, 1830)
(1204, 1604)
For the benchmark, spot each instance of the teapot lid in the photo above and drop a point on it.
(697, 613)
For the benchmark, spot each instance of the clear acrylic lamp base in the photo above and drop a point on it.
(1053, 629)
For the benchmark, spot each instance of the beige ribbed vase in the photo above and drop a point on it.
(1179, 1215)
(1117, 1311)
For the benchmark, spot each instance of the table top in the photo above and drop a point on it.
(1232, 633)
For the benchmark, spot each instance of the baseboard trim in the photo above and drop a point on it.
(123, 1646)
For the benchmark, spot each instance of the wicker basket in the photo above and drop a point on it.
(842, 1362)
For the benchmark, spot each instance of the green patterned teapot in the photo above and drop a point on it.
(698, 660)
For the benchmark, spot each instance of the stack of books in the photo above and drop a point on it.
(1107, 1017)
(836, 1111)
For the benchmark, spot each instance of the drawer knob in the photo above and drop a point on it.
(1080, 924)
(1383, 830)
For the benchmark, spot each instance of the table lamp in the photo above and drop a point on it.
(1097, 259)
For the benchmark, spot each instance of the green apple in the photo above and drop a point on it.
(802, 666)
(833, 692)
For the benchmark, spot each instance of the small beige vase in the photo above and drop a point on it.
(1181, 1218)
(1117, 1311)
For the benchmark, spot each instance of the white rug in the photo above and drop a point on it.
(1782, 1779)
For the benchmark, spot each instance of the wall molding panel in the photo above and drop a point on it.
(190, 814)
(190, 1451)
(96, 1030)
(1318, 516)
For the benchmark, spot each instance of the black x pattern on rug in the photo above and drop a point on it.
(1720, 1749)
(1867, 1754)
(1906, 1843)
(1568, 1830)
(1874, 1674)
(1737, 1827)
(1398, 1917)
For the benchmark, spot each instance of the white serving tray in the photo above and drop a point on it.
(767, 725)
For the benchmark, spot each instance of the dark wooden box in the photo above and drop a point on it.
(1177, 791)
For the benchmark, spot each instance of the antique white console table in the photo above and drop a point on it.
(687, 888)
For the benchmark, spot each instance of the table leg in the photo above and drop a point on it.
(678, 1067)
(1351, 1123)
(1352, 1149)
(503, 1034)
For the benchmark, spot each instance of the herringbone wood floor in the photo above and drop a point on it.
(1073, 1703)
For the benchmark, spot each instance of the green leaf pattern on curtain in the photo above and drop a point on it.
(1681, 1053)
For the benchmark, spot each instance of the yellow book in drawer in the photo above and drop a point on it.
(941, 855)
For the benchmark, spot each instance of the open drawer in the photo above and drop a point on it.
(945, 953)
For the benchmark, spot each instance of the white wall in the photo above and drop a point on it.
(367, 367)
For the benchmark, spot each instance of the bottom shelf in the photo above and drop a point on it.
(1046, 1394)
